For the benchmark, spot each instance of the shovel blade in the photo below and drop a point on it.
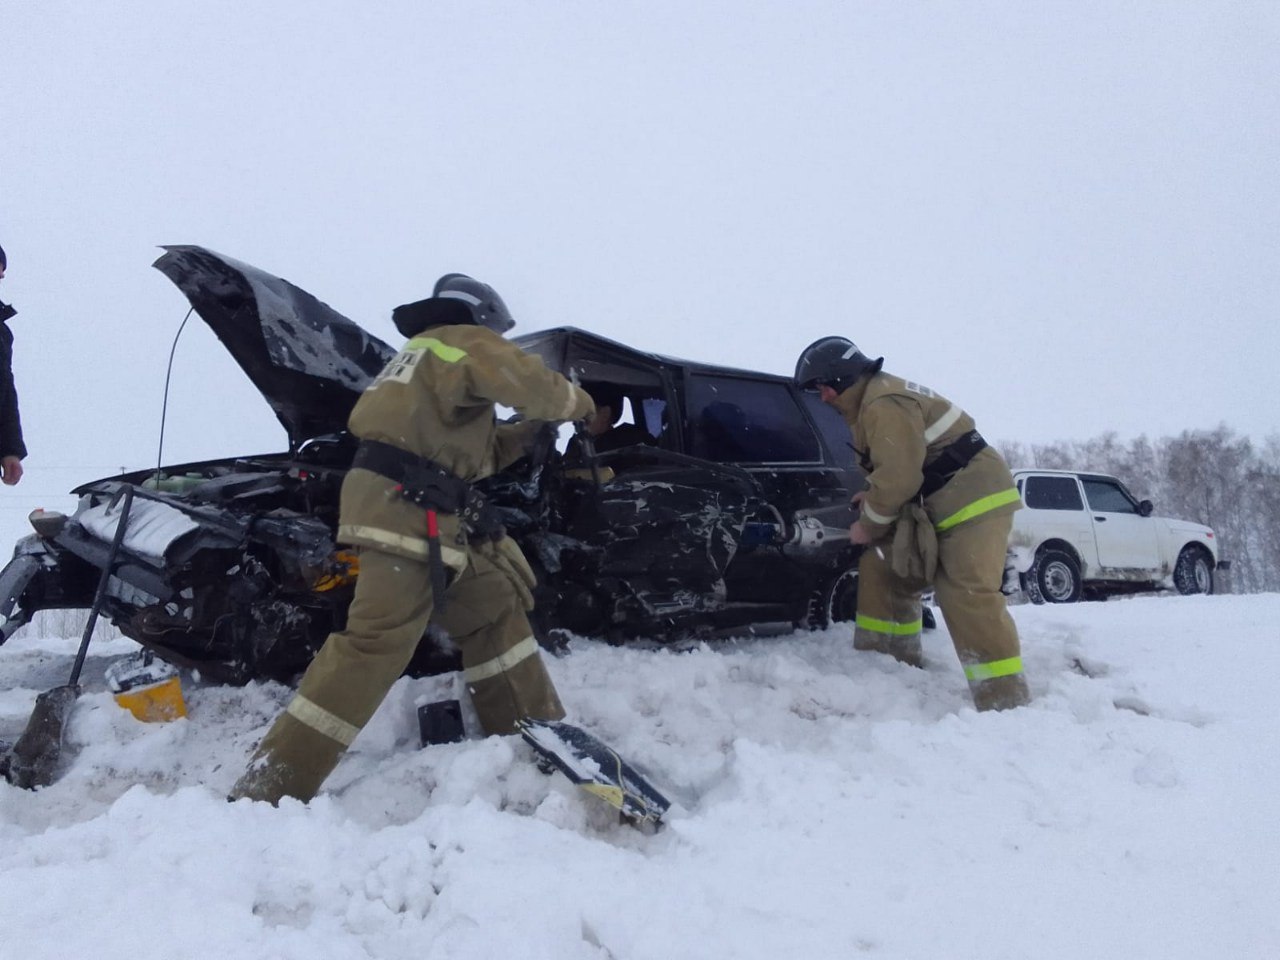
(35, 756)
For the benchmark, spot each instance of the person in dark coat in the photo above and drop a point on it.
(12, 449)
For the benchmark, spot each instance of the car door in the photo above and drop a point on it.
(1126, 540)
(759, 425)
(1055, 509)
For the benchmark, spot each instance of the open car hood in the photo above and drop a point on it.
(309, 361)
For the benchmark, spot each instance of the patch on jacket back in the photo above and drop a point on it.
(401, 367)
(918, 388)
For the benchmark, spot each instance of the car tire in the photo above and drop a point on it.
(1193, 572)
(1054, 577)
(835, 602)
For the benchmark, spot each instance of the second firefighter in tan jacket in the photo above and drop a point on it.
(427, 424)
(937, 510)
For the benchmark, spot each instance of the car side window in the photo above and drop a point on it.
(1107, 497)
(748, 421)
(834, 431)
(1053, 493)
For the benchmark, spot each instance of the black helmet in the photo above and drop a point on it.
(835, 362)
(487, 307)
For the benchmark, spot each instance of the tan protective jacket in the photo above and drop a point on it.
(899, 427)
(435, 399)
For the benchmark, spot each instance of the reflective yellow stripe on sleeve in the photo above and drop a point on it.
(888, 626)
(876, 517)
(437, 347)
(994, 668)
(978, 508)
(942, 424)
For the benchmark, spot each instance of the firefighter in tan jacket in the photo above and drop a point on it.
(429, 547)
(938, 509)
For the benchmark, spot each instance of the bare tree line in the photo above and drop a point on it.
(1214, 477)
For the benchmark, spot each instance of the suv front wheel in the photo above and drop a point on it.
(1054, 577)
(1194, 571)
(836, 601)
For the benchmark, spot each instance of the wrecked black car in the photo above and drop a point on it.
(728, 509)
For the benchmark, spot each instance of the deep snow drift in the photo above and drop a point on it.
(835, 804)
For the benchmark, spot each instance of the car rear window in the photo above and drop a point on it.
(1053, 493)
(748, 421)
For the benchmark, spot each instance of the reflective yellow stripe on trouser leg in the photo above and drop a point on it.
(888, 619)
(998, 684)
(970, 571)
(994, 668)
(502, 664)
(346, 681)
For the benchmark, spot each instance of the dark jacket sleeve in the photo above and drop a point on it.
(11, 444)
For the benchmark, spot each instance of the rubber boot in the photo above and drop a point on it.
(1000, 693)
(903, 649)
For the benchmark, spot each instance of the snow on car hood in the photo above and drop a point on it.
(309, 361)
(153, 527)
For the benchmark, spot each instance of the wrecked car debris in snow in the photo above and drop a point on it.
(731, 517)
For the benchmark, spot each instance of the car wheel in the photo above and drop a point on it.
(1054, 577)
(835, 602)
(1193, 572)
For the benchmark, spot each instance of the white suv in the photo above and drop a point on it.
(1084, 534)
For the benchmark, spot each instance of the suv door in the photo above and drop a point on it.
(761, 426)
(1056, 509)
(1126, 539)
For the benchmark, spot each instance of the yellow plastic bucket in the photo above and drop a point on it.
(148, 688)
(155, 702)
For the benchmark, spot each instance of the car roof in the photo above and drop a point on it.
(559, 346)
(1084, 474)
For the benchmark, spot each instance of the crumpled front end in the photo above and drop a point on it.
(236, 594)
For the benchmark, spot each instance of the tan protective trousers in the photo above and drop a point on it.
(971, 560)
(355, 668)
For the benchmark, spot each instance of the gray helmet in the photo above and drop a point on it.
(835, 362)
(487, 308)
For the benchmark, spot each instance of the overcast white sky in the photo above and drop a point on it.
(1062, 215)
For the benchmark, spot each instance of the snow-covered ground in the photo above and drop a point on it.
(834, 805)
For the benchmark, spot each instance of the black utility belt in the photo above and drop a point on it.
(423, 481)
(950, 461)
(431, 487)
